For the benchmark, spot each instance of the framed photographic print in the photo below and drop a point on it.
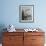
(26, 13)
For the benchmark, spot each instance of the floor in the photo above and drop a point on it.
(0, 44)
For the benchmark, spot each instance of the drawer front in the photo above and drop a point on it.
(33, 39)
(37, 45)
(34, 33)
(12, 44)
(12, 39)
(37, 39)
(13, 33)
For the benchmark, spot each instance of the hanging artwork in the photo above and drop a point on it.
(26, 13)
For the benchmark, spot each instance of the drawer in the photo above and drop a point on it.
(21, 44)
(37, 44)
(33, 39)
(8, 39)
(34, 33)
(37, 39)
(9, 45)
(13, 33)
(14, 41)
(12, 38)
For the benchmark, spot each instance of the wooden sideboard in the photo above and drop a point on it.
(23, 38)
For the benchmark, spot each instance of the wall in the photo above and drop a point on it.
(9, 13)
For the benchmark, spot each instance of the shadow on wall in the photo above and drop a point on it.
(2, 26)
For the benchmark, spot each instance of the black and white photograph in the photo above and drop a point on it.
(26, 13)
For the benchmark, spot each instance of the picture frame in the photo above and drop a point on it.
(26, 13)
